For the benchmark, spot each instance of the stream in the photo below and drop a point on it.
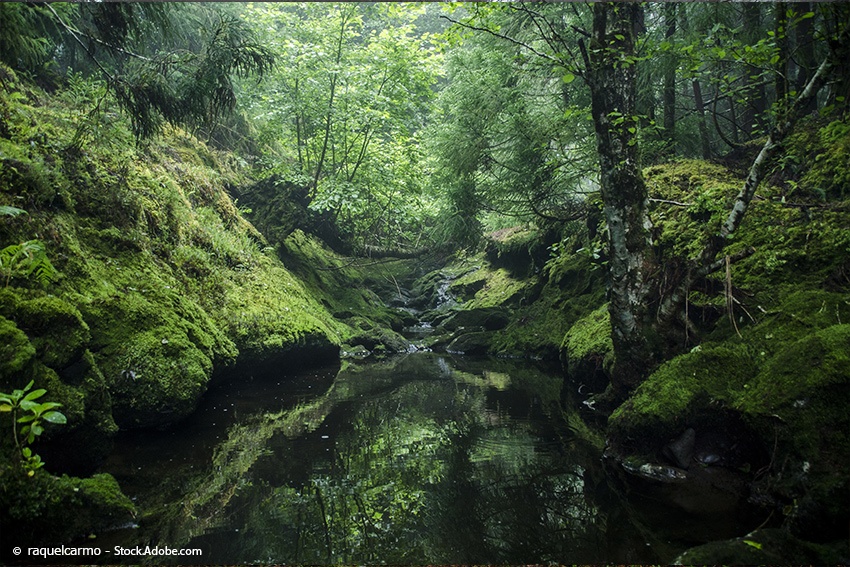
(423, 458)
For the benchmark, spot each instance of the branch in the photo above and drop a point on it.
(668, 202)
(708, 262)
(668, 308)
(76, 33)
(505, 37)
(777, 135)
(73, 33)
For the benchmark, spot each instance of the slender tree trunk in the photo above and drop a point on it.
(329, 118)
(756, 96)
(804, 36)
(705, 142)
(624, 194)
(669, 93)
(299, 136)
(781, 36)
(733, 116)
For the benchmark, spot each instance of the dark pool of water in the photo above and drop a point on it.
(420, 459)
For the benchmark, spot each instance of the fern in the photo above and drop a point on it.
(26, 260)
(8, 211)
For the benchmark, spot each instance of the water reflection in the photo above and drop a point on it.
(422, 459)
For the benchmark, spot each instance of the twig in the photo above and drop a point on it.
(669, 202)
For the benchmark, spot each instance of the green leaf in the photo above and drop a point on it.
(46, 406)
(35, 394)
(752, 543)
(11, 211)
(569, 78)
(5, 407)
(55, 417)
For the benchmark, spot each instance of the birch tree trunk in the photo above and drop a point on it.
(611, 77)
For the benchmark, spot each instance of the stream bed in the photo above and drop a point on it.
(423, 458)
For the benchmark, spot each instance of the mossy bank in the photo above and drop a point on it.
(760, 388)
(160, 282)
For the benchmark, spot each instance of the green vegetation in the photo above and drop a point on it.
(656, 195)
(30, 422)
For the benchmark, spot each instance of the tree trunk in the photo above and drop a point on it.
(705, 142)
(805, 60)
(611, 78)
(331, 96)
(669, 93)
(756, 97)
(781, 37)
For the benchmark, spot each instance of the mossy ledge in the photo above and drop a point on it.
(161, 282)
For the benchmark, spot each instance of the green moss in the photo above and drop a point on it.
(817, 158)
(16, 350)
(516, 248)
(490, 287)
(680, 388)
(102, 493)
(706, 190)
(46, 509)
(571, 290)
(342, 285)
(55, 327)
(812, 363)
(590, 338)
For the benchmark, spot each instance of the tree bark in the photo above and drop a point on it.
(331, 96)
(805, 60)
(669, 93)
(756, 96)
(611, 78)
(705, 142)
(781, 37)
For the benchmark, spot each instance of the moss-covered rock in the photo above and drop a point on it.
(162, 279)
(778, 394)
(476, 342)
(55, 327)
(588, 352)
(16, 350)
(343, 286)
(520, 249)
(44, 509)
(568, 289)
